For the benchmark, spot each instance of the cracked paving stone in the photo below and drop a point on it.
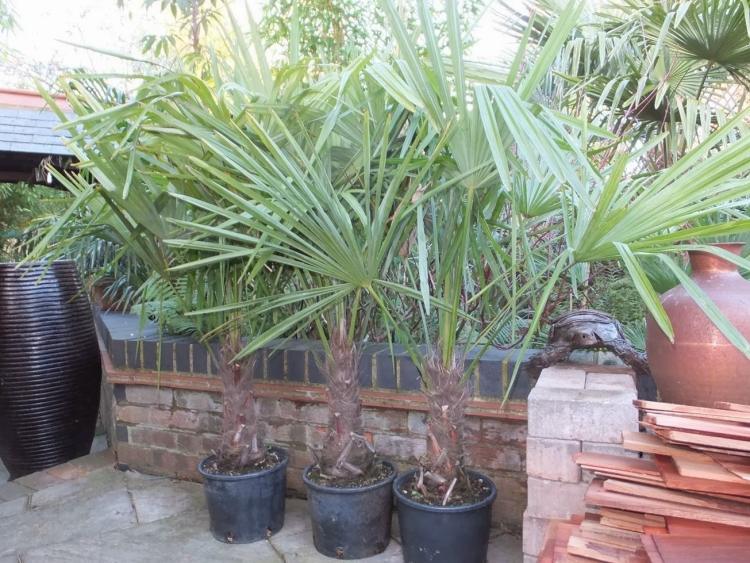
(66, 520)
(13, 490)
(156, 500)
(13, 507)
(89, 486)
(184, 538)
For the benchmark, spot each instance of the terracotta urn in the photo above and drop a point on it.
(702, 366)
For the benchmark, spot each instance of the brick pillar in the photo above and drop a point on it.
(573, 408)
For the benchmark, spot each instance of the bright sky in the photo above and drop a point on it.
(42, 24)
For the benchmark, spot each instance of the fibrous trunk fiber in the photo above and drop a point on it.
(345, 453)
(241, 446)
(447, 394)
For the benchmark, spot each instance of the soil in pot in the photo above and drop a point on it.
(458, 531)
(248, 505)
(351, 519)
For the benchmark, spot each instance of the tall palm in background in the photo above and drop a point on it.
(641, 68)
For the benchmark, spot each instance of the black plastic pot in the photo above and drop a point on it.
(50, 371)
(350, 523)
(246, 508)
(444, 534)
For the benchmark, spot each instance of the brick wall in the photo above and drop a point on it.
(168, 431)
(164, 405)
(166, 408)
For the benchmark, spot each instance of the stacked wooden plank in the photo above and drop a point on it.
(687, 500)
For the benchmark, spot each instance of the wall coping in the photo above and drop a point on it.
(138, 355)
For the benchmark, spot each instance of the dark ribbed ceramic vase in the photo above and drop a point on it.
(702, 366)
(50, 369)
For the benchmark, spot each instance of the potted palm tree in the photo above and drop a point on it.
(339, 210)
(525, 173)
(123, 194)
(444, 507)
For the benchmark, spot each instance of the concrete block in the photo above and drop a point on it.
(552, 459)
(555, 499)
(534, 531)
(561, 376)
(604, 448)
(586, 415)
(610, 382)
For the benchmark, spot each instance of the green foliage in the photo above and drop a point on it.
(324, 30)
(642, 67)
(614, 293)
(7, 20)
(405, 193)
(21, 206)
(338, 31)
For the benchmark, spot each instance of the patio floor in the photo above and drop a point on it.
(86, 510)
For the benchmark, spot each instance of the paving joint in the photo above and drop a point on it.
(276, 550)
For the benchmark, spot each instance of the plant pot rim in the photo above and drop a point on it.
(349, 490)
(36, 263)
(444, 509)
(246, 476)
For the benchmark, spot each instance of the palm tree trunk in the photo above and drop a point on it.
(447, 394)
(241, 446)
(345, 453)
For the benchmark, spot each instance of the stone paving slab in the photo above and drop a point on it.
(183, 538)
(66, 521)
(107, 515)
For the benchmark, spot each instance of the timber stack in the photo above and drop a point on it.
(687, 499)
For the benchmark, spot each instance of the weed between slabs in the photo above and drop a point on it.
(467, 490)
(217, 467)
(377, 473)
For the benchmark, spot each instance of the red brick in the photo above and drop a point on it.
(182, 466)
(136, 457)
(417, 423)
(317, 414)
(294, 480)
(400, 447)
(287, 409)
(299, 458)
(148, 395)
(189, 443)
(198, 400)
(492, 457)
(503, 432)
(385, 420)
(162, 418)
(267, 407)
(507, 510)
(289, 433)
(211, 443)
(186, 419)
(152, 437)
